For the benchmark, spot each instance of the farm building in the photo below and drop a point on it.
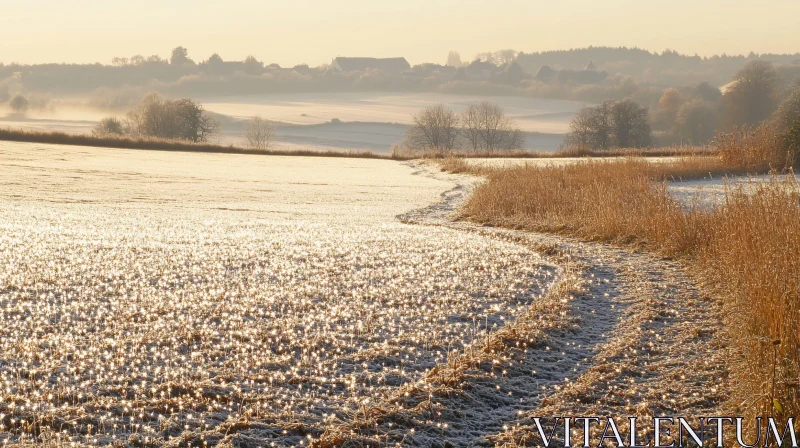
(388, 65)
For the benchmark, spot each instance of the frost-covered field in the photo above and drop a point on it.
(531, 114)
(156, 297)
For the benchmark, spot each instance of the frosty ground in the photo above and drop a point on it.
(165, 298)
(154, 295)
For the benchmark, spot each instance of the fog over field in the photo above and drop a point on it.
(371, 121)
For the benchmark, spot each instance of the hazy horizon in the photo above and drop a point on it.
(313, 32)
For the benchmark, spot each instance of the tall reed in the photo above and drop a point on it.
(747, 250)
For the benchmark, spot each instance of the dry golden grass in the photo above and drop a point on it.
(758, 149)
(61, 138)
(571, 152)
(455, 165)
(669, 151)
(753, 257)
(747, 249)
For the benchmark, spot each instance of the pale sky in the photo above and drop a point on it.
(314, 31)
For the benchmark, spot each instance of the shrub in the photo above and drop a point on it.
(109, 126)
(259, 133)
(181, 119)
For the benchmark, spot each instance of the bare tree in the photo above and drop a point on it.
(487, 127)
(752, 95)
(604, 126)
(470, 122)
(631, 126)
(119, 62)
(611, 124)
(669, 104)
(788, 113)
(156, 60)
(696, 122)
(19, 104)
(592, 127)
(435, 127)
(194, 124)
(707, 92)
(138, 60)
(582, 129)
(259, 133)
(507, 56)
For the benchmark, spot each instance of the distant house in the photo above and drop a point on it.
(388, 65)
(511, 73)
(589, 75)
(545, 74)
(479, 70)
(429, 69)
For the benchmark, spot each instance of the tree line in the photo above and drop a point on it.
(689, 115)
(482, 126)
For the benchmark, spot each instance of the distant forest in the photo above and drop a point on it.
(666, 69)
(591, 74)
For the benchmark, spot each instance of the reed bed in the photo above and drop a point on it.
(747, 250)
(569, 152)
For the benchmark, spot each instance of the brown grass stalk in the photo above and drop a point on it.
(747, 249)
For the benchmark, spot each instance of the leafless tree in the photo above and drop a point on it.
(788, 113)
(582, 129)
(752, 95)
(119, 62)
(622, 124)
(435, 127)
(487, 127)
(696, 122)
(19, 104)
(507, 56)
(470, 122)
(501, 57)
(669, 104)
(592, 127)
(707, 92)
(259, 133)
(631, 126)
(604, 126)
